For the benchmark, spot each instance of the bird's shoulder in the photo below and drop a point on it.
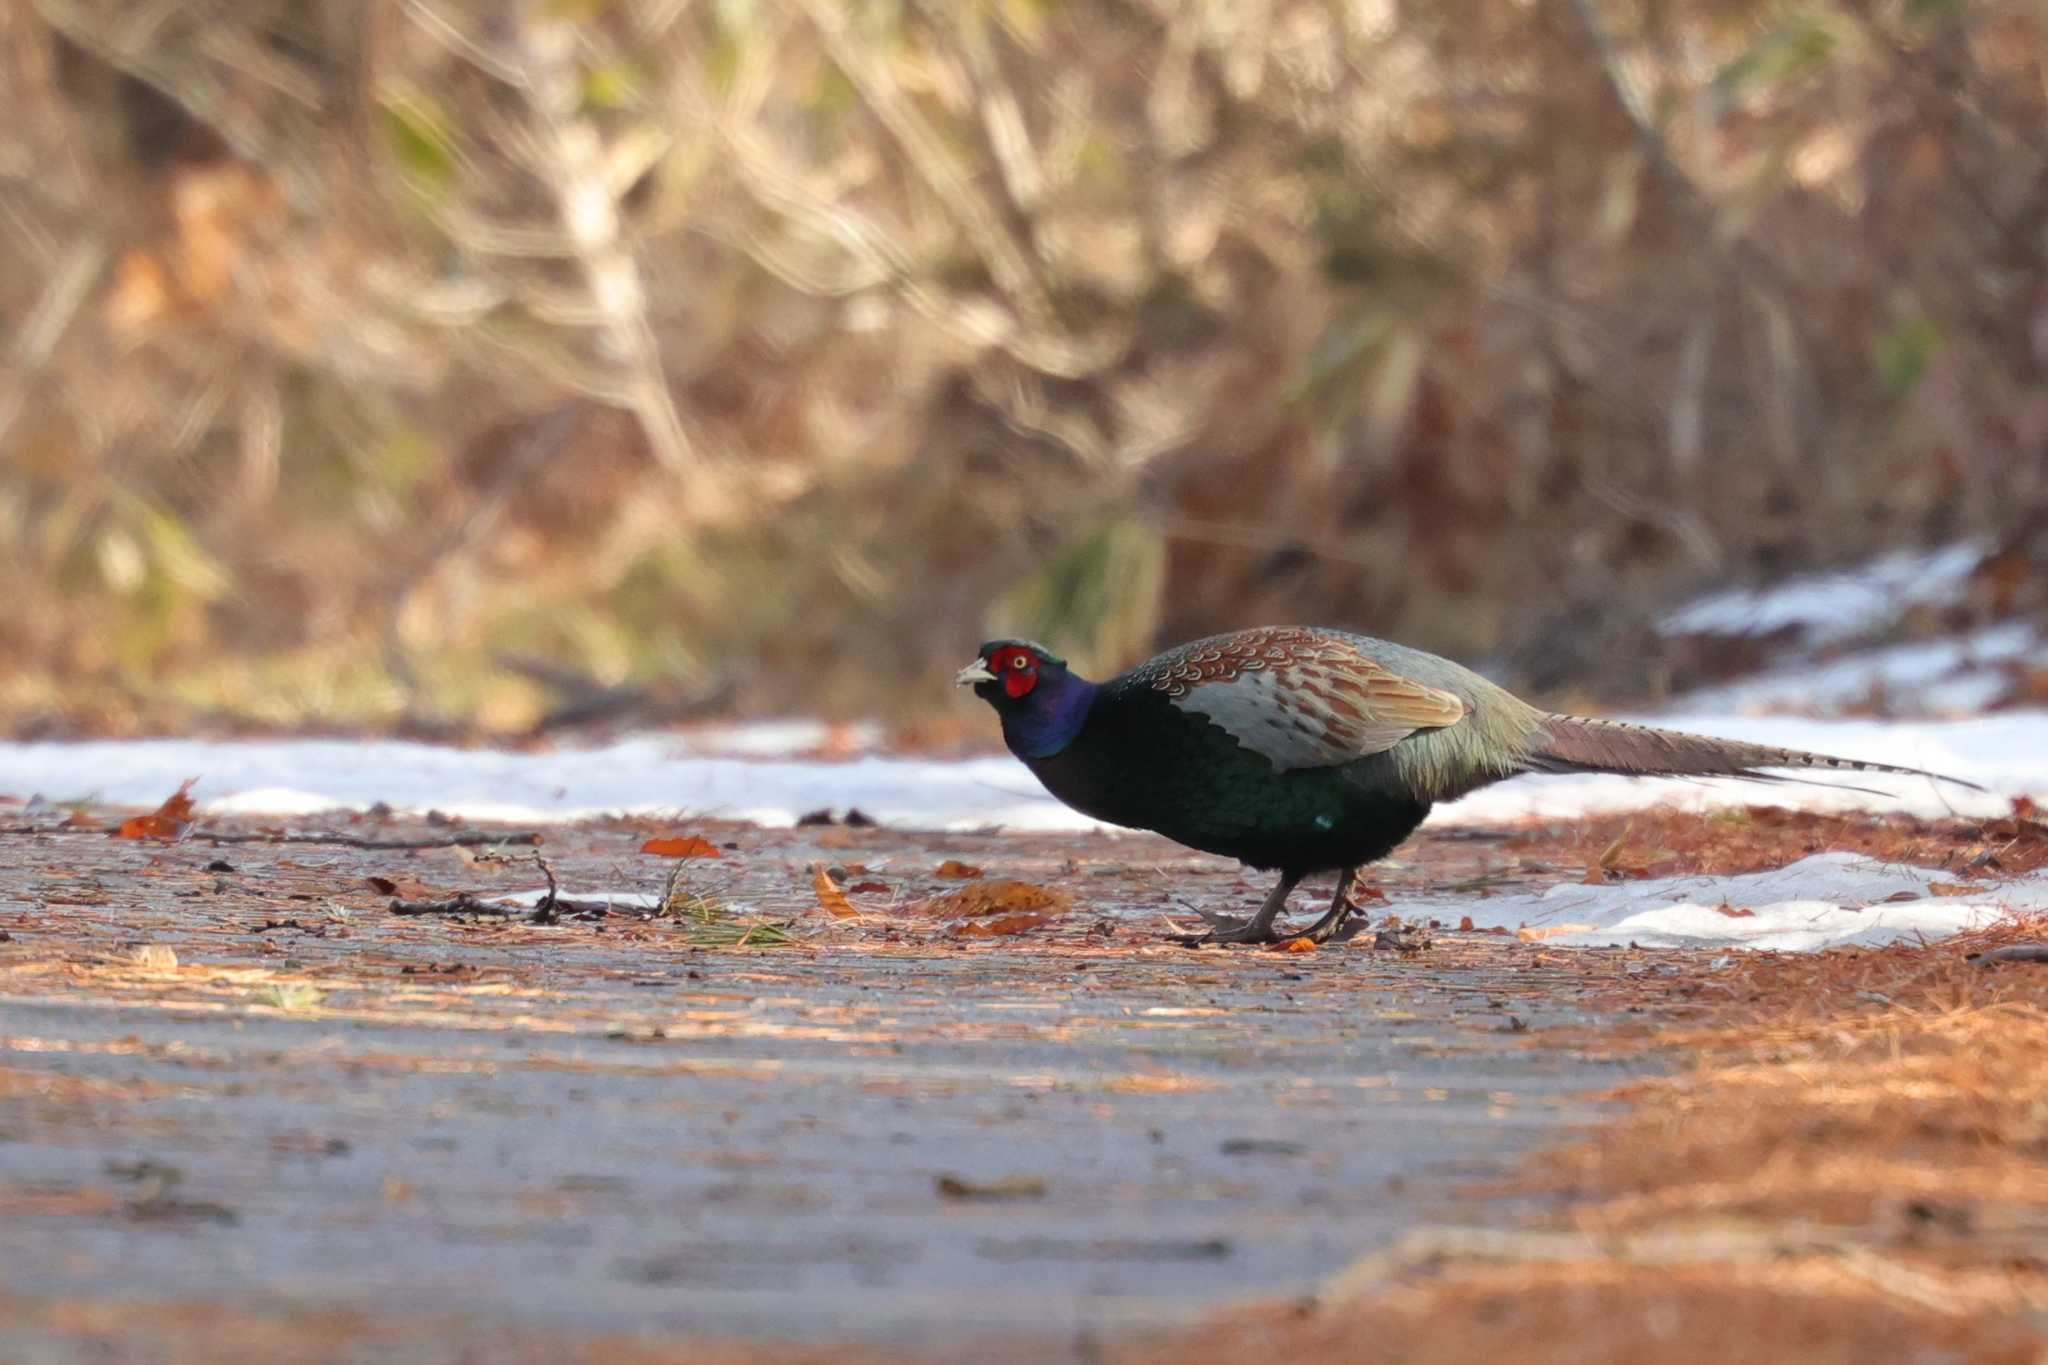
(1302, 696)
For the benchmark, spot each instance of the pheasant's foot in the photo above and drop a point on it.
(1332, 924)
(1324, 930)
(1330, 927)
(1232, 931)
(1257, 929)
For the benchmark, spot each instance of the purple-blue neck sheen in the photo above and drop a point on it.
(1043, 707)
(1045, 720)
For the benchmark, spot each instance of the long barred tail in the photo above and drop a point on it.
(1581, 744)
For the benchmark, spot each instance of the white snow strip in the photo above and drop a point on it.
(657, 774)
(2007, 753)
(775, 738)
(1842, 654)
(1954, 676)
(651, 775)
(1815, 903)
(1826, 901)
(1833, 606)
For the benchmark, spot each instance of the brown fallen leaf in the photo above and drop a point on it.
(1010, 1187)
(831, 899)
(954, 870)
(171, 820)
(1297, 945)
(405, 888)
(1465, 925)
(1023, 922)
(996, 898)
(869, 888)
(1537, 934)
(1950, 889)
(681, 846)
(1732, 913)
(1156, 1083)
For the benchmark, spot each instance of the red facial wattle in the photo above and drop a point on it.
(1019, 677)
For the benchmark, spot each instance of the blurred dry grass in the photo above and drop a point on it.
(1856, 1169)
(772, 350)
(1902, 1093)
(1602, 1313)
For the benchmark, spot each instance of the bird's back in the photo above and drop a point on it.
(1309, 749)
(1151, 756)
(1436, 762)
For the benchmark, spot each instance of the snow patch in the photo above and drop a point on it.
(661, 775)
(1832, 607)
(651, 775)
(2006, 753)
(1955, 676)
(792, 738)
(1830, 900)
(1842, 652)
(1816, 903)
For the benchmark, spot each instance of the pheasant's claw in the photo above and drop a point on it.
(1324, 930)
(1224, 929)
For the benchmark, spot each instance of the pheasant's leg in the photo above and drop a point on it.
(1257, 929)
(1325, 929)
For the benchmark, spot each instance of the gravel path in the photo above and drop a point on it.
(231, 1076)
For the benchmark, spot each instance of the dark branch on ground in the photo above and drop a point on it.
(548, 910)
(464, 839)
(544, 912)
(464, 904)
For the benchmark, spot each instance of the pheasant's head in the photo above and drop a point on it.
(1009, 670)
(1041, 703)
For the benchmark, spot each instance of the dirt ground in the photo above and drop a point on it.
(860, 1094)
(1852, 1166)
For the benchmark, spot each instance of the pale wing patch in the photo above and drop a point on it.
(1307, 702)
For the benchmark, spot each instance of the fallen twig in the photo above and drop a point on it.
(544, 909)
(464, 904)
(464, 839)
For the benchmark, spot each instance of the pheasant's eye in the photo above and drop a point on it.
(1021, 662)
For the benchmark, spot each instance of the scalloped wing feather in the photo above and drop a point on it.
(1302, 698)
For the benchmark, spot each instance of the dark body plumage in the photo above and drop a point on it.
(1306, 750)
(1140, 761)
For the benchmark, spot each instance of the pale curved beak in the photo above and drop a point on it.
(976, 672)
